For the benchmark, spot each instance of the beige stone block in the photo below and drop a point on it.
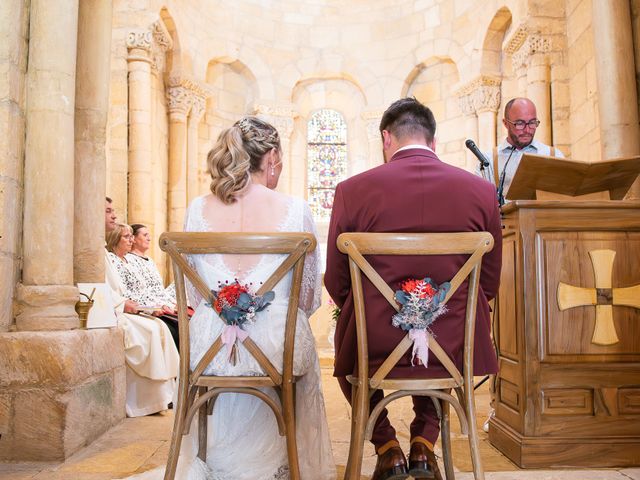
(107, 349)
(90, 410)
(591, 78)
(561, 132)
(581, 52)
(39, 423)
(578, 21)
(11, 141)
(44, 359)
(8, 270)
(6, 413)
(561, 95)
(578, 88)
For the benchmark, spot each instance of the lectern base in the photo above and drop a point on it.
(552, 452)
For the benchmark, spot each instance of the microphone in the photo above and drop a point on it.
(471, 145)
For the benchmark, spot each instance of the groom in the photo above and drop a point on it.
(414, 191)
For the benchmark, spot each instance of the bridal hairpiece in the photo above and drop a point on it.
(257, 134)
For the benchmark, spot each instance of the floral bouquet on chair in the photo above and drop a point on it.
(421, 303)
(237, 306)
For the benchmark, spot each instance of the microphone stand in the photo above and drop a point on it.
(501, 200)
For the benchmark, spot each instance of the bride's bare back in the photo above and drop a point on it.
(258, 209)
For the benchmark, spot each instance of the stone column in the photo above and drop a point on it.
(92, 103)
(486, 101)
(282, 117)
(470, 125)
(47, 296)
(479, 100)
(617, 95)
(532, 57)
(179, 100)
(193, 158)
(140, 208)
(13, 64)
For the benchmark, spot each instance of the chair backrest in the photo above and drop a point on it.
(180, 245)
(357, 245)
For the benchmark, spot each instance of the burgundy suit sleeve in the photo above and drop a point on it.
(492, 261)
(336, 278)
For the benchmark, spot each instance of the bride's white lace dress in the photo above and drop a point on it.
(243, 442)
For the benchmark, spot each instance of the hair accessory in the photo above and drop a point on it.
(244, 125)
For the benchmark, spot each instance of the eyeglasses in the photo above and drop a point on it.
(520, 124)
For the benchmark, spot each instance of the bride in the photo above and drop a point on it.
(243, 440)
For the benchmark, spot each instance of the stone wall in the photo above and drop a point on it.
(583, 92)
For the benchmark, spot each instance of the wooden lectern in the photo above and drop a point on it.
(567, 324)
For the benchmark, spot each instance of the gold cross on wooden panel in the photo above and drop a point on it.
(603, 297)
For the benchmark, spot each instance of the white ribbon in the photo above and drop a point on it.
(231, 333)
(420, 346)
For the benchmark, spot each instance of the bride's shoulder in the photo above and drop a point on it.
(198, 202)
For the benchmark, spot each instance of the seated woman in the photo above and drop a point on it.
(148, 289)
(243, 441)
(151, 356)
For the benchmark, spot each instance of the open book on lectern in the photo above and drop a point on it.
(572, 177)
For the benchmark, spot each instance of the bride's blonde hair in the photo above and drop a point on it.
(237, 154)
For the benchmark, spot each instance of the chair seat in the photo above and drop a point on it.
(412, 383)
(258, 381)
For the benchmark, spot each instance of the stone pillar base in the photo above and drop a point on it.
(59, 391)
(47, 307)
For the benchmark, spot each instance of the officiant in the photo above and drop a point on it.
(521, 121)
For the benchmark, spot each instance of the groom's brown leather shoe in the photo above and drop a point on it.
(423, 463)
(391, 465)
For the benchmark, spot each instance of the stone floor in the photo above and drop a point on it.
(139, 444)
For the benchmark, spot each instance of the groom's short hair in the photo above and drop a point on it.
(407, 117)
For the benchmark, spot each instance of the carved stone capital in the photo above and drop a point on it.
(196, 87)
(466, 105)
(533, 44)
(139, 39)
(198, 107)
(162, 43)
(280, 116)
(516, 39)
(179, 100)
(481, 94)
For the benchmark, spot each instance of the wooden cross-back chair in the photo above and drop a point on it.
(356, 246)
(197, 392)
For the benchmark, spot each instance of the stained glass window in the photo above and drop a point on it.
(326, 160)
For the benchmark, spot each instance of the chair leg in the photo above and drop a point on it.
(445, 438)
(359, 417)
(474, 444)
(288, 403)
(202, 428)
(178, 429)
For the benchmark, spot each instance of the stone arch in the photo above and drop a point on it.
(174, 61)
(491, 52)
(337, 92)
(234, 87)
(431, 82)
(234, 90)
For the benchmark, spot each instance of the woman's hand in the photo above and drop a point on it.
(165, 310)
(131, 307)
(169, 310)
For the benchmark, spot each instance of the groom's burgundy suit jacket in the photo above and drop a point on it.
(413, 192)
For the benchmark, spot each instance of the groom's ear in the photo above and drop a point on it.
(386, 139)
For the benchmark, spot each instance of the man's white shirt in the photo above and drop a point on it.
(505, 150)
